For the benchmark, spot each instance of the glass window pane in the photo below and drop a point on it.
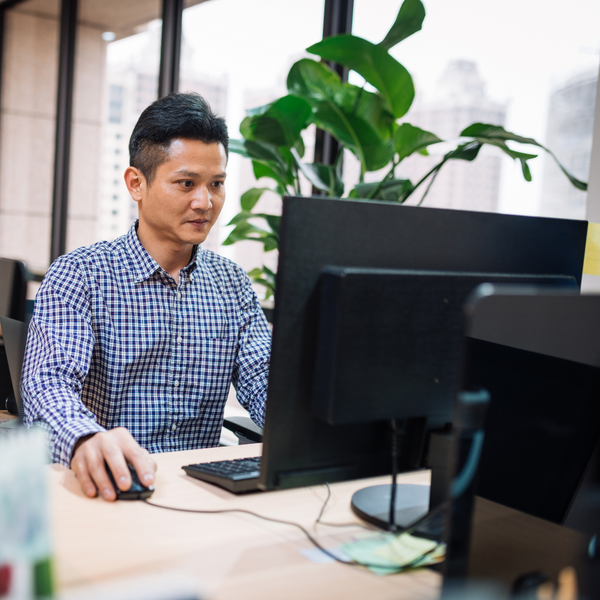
(116, 77)
(237, 54)
(502, 63)
(28, 119)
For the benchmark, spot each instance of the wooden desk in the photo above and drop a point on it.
(506, 543)
(6, 416)
(233, 556)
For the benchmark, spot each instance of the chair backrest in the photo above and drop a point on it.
(15, 337)
(538, 354)
(13, 289)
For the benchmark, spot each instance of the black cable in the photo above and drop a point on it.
(324, 503)
(393, 489)
(319, 522)
(352, 563)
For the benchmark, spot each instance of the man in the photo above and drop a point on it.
(134, 343)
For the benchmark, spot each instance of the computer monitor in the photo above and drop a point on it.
(302, 449)
(538, 355)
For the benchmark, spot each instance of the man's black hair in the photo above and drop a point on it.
(176, 116)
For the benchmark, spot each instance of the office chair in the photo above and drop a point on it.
(246, 431)
(244, 428)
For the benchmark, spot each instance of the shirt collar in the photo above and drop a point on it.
(145, 266)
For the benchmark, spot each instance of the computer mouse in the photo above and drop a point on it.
(137, 491)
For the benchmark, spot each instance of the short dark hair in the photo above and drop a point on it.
(176, 116)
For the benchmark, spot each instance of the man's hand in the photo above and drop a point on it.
(117, 447)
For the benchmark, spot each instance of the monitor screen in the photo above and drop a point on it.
(302, 449)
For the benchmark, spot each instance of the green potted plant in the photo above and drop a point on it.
(367, 123)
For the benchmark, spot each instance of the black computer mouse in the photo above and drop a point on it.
(137, 491)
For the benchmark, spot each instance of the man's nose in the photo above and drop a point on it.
(202, 199)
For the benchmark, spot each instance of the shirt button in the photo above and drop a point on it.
(178, 295)
(176, 383)
(174, 428)
(179, 339)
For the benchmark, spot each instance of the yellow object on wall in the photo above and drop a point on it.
(591, 263)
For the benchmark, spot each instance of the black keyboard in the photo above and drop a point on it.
(237, 476)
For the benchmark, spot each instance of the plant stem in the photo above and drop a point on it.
(376, 189)
(428, 187)
(433, 170)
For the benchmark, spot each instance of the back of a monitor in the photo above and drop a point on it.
(538, 355)
(13, 289)
(15, 336)
(299, 449)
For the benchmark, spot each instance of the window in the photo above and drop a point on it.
(101, 128)
(115, 107)
(28, 113)
(245, 74)
(504, 75)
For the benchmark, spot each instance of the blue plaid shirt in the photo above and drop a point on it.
(115, 342)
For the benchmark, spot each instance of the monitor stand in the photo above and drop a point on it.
(372, 504)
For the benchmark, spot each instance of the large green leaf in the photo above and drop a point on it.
(409, 139)
(279, 159)
(485, 130)
(468, 151)
(366, 106)
(375, 64)
(238, 147)
(356, 119)
(495, 133)
(409, 20)
(279, 123)
(354, 133)
(269, 169)
(520, 156)
(251, 197)
(247, 231)
(392, 190)
(265, 277)
(323, 177)
(274, 222)
(312, 80)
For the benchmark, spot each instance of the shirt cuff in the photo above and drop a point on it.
(64, 440)
(258, 404)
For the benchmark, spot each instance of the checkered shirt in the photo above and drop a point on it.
(115, 342)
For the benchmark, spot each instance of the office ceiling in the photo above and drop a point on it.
(123, 17)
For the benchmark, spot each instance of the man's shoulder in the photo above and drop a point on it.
(228, 274)
(222, 266)
(101, 255)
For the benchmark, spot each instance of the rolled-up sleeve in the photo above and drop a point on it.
(59, 349)
(251, 371)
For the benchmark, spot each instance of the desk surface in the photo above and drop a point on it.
(6, 416)
(231, 555)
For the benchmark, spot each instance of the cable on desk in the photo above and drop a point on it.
(319, 522)
(313, 541)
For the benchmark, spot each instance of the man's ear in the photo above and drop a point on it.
(135, 182)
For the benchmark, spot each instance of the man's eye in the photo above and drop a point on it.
(218, 183)
(188, 183)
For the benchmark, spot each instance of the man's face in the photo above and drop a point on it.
(186, 195)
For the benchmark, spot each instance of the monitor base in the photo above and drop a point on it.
(372, 504)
